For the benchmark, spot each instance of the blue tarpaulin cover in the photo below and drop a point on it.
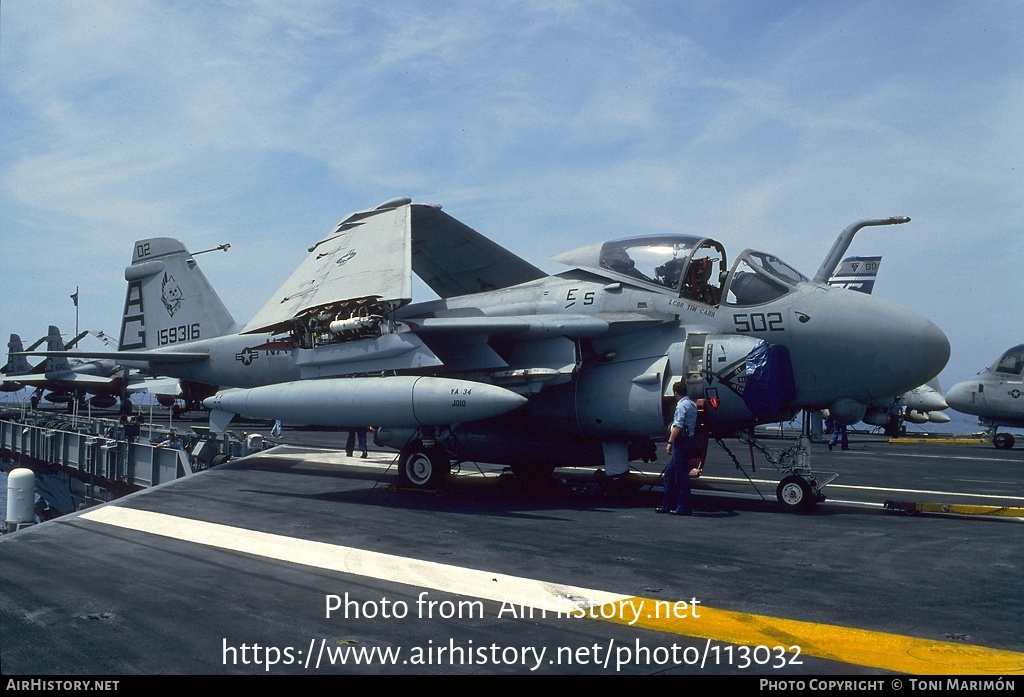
(770, 385)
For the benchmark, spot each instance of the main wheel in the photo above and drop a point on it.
(794, 493)
(1003, 441)
(423, 468)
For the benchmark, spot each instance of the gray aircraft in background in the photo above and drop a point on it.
(514, 366)
(59, 380)
(995, 396)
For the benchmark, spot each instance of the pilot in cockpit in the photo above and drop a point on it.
(697, 286)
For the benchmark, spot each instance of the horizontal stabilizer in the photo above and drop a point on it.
(66, 380)
(151, 357)
(166, 387)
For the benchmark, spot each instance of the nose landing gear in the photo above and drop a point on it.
(797, 493)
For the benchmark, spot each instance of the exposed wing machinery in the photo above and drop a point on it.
(363, 270)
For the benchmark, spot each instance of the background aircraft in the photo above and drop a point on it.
(994, 395)
(925, 404)
(593, 352)
(921, 405)
(856, 273)
(56, 379)
(16, 364)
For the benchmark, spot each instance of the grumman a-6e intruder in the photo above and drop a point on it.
(516, 367)
(995, 396)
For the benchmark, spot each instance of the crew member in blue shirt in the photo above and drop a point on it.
(676, 498)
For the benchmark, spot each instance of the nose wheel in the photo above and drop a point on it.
(796, 493)
(1003, 441)
(800, 488)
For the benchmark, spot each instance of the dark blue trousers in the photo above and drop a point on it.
(676, 496)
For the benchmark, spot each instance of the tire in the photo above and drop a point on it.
(1003, 441)
(422, 468)
(794, 493)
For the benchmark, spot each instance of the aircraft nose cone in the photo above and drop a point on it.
(877, 349)
(908, 349)
(929, 350)
(960, 397)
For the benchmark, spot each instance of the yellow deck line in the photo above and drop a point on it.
(964, 509)
(855, 646)
(863, 647)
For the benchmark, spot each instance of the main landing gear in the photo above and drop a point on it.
(423, 465)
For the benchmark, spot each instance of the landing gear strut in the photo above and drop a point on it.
(799, 489)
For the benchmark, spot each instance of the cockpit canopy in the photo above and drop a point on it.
(691, 267)
(760, 278)
(681, 263)
(1011, 362)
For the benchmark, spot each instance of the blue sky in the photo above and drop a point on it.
(543, 125)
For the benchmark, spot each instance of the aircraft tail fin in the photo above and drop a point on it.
(54, 342)
(169, 300)
(856, 273)
(16, 365)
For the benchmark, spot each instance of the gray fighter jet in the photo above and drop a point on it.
(591, 353)
(517, 367)
(994, 396)
(57, 379)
